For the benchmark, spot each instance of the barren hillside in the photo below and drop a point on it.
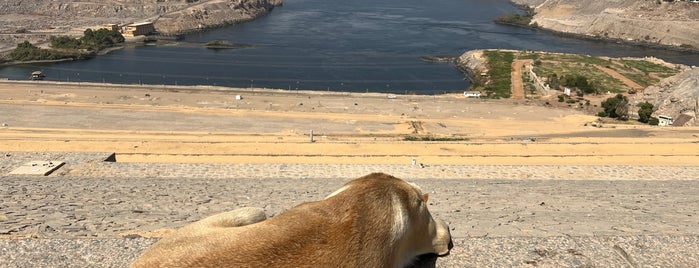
(677, 96)
(642, 21)
(37, 20)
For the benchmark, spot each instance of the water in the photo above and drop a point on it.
(359, 45)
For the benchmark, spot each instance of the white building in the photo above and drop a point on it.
(664, 120)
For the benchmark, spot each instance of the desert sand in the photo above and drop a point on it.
(144, 123)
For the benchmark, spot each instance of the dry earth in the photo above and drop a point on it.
(38, 20)
(207, 124)
(669, 23)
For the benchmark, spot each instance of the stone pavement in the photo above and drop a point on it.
(91, 213)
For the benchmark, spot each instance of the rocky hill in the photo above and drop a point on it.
(650, 22)
(677, 96)
(37, 20)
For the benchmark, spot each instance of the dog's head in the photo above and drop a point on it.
(414, 230)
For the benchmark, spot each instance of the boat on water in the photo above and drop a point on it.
(37, 75)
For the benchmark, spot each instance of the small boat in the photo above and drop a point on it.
(37, 75)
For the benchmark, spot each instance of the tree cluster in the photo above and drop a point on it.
(645, 110)
(27, 52)
(91, 40)
(523, 20)
(572, 81)
(616, 107)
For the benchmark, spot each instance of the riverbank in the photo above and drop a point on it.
(69, 18)
(642, 23)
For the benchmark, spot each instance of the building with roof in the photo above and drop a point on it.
(136, 29)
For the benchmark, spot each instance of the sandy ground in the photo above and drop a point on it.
(208, 124)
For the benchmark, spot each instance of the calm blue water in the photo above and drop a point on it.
(359, 45)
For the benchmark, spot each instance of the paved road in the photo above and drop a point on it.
(77, 218)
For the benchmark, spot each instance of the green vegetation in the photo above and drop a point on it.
(648, 67)
(430, 138)
(515, 19)
(584, 75)
(576, 71)
(27, 52)
(617, 107)
(64, 47)
(91, 40)
(579, 82)
(500, 73)
(644, 112)
(653, 121)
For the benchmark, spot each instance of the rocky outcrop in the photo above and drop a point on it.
(646, 22)
(677, 96)
(37, 20)
(213, 14)
(472, 63)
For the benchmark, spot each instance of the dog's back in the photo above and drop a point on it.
(373, 221)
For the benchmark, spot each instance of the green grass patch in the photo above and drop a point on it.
(640, 79)
(430, 138)
(648, 67)
(500, 72)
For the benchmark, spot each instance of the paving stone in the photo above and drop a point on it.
(499, 215)
(41, 168)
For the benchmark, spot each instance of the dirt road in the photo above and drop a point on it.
(623, 79)
(517, 84)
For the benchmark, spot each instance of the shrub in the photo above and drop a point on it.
(617, 107)
(644, 112)
(654, 121)
(25, 51)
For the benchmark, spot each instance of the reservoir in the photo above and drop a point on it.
(332, 45)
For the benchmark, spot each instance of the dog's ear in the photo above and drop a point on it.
(425, 197)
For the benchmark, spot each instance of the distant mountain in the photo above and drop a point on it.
(677, 97)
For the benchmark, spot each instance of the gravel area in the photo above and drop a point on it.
(554, 216)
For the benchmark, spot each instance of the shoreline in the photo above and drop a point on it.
(640, 44)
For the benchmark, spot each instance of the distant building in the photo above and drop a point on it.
(664, 120)
(472, 94)
(111, 27)
(136, 29)
(566, 91)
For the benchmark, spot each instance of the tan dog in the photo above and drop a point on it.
(374, 221)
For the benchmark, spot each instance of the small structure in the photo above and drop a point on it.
(472, 94)
(111, 26)
(37, 75)
(136, 29)
(566, 91)
(664, 120)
